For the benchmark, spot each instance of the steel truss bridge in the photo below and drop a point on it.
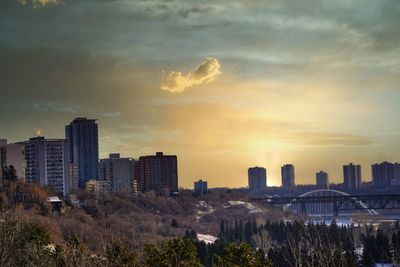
(328, 201)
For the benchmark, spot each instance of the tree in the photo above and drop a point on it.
(77, 254)
(383, 248)
(396, 247)
(240, 255)
(118, 254)
(350, 252)
(24, 244)
(369, 254)
(174, 223)
(172, 253)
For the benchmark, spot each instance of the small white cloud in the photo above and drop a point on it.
(40, 3)
(206, 72)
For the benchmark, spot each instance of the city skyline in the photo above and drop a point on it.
(341, 180)
(222, 85)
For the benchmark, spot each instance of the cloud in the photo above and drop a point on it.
(329, 139)
(206, 72)
(40, 3)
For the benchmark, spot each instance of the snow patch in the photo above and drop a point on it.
(249, 206)
(208, 239)
(203, 209)
(339, 222)
(236, 202)
(252, 208)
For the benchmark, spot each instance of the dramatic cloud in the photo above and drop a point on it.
(206, 72)
(40, 3)
(313, 83)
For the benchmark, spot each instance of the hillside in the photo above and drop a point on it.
(138, 220)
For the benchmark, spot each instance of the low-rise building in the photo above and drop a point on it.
(200, 187)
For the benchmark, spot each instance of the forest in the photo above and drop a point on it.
(152, 230)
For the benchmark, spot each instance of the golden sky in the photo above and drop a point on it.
(224, 85)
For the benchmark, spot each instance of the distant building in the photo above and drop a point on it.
(118, 172)
(73, 179)
(288, 179)
(322, 180)
(157, 173)
(351, 176)
(396, 172)
(47, 163)
(82, 137)
(257, 178)
(200, 187)
(382, 174)
(12, 154)
(97, 187)
(55, 202)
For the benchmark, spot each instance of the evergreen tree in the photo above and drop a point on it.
(118, 254)
(350, 252)
(383, 248)
(396, 247)
(369, 255)
(238, 256)
(248, 231)
(172, 253)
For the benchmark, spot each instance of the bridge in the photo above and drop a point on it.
(325, 201)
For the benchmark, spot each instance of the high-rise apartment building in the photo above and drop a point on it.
(157, 173)
(351, 176)
(396, 172)
(288, 179)
(47, 163)
(382, 174)
(118, 172)
(322, 180)
(257, 178)
(82, 137)
(3, 161)
(12, 155)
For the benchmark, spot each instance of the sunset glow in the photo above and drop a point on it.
(224, 85)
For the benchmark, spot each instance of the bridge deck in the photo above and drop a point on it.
(380, 201)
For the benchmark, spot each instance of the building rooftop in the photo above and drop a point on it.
(53, 199)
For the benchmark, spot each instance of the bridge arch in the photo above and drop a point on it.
(362, 204)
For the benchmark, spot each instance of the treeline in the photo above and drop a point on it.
(97, 235)
(24, 242)
(27, 243)
(13, 191)
(299, 244)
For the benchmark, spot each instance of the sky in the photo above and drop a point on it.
(224, 85)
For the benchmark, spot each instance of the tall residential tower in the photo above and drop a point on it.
(83, 141)
(257, 179)
(47, 163)
(322, 180)
(288, 180)
(157, 173)
(351, 176)
(117, 172)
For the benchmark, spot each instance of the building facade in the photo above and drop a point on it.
(351, 176)
(257, 179)
(157, 173)
(288, 178)
(383, 174)
(83, 140)
(47, 163)
(118, 172)
(396, 173)
(12, 155)
(200, 187)
(96, 186)
(322, 180)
